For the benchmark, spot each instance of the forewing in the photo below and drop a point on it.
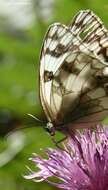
(58, 44)
(93, 33)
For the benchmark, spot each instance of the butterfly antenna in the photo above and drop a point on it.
(37, 119)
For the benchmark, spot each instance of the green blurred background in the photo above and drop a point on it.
(23, 24)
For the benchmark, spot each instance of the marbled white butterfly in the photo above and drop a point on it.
(74, 73)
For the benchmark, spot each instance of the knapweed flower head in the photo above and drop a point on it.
(82, 165)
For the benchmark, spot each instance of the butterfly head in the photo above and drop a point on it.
(50, 128)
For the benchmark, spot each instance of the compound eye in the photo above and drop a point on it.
(49, 125)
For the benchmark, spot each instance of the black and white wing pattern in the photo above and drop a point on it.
(73, 78)
(92, 31)
(93, 105)
(58, 45)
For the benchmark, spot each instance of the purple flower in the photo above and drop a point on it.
(82, 165)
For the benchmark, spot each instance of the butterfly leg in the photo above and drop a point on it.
(58, 143)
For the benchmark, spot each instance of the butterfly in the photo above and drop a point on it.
(74, 74)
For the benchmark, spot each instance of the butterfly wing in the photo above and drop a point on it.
(68, 75)
(91, 109)
(93, 33)
(81, 93)
(92, 106)
(55, 49)
(58, 44)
